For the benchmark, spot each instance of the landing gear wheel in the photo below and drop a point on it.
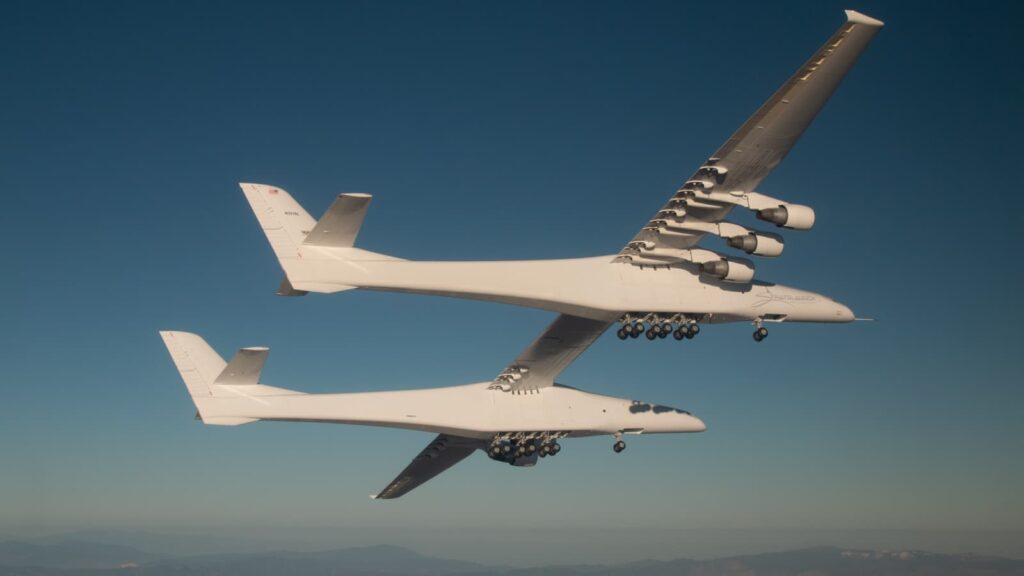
(555, 448)
(637, 330)
(692, 330)
(619, 446)
(760, 334)
(622, 334)
(530, 448)
(678, 334)
(651, 334)
(666, 328)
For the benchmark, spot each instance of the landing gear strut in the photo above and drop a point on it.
(619, 445)
(761, 332)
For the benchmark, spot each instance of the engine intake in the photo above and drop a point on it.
(740, 271)
(792, 216)
(758, 244)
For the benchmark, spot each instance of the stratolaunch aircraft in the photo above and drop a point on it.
(660, 283)
(517, 418)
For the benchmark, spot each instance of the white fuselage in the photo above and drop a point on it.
(470, 411)
(589, 287)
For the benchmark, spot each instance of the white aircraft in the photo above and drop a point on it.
(517, 418)
(660, 283)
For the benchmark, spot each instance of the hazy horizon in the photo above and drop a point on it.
(547, 545)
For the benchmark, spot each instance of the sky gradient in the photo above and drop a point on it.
(494, 131)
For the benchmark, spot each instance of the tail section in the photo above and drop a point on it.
(219, 389)
(299, 241)
(283, 220)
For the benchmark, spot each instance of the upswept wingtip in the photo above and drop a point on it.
(857, 17)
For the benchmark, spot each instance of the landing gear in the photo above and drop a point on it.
(619, 445)
(523, 448)
(549, 449)
(657, 326)
(761, 332)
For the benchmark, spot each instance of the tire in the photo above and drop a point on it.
(678, 335)
(622, 334)
(651, 334)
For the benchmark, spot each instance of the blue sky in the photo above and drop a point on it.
(491, 131)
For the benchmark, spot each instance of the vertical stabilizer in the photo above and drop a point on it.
(282, 219)
(221, 391)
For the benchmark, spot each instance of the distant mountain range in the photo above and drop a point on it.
(75, 558)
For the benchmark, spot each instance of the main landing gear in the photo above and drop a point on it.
(656, 327)
(511, 447)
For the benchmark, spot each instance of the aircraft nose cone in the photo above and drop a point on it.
(843, 313)
(698, 424)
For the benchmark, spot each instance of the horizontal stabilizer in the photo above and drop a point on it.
(339, 226)
(245, 367)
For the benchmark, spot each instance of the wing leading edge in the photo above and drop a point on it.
(441, 454)
(729, 178)
(551, 353)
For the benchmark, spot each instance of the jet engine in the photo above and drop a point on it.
(740, 271)
(758, 244)
(792, 216)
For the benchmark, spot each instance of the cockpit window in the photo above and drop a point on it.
(639, 407)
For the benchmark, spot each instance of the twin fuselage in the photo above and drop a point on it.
(472, 411)
(593, 287)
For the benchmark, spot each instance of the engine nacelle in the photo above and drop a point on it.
(740, 271)
(758, 244)
(793, 216)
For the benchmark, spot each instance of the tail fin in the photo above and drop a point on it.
(289, 228)
(283, 220)
(207, 376)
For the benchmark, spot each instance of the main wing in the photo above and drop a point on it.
(729, 178)
(441, 454)
(551, 353)
(537, 367)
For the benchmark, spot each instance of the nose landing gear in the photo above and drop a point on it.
(619, 445)
(761, 332)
